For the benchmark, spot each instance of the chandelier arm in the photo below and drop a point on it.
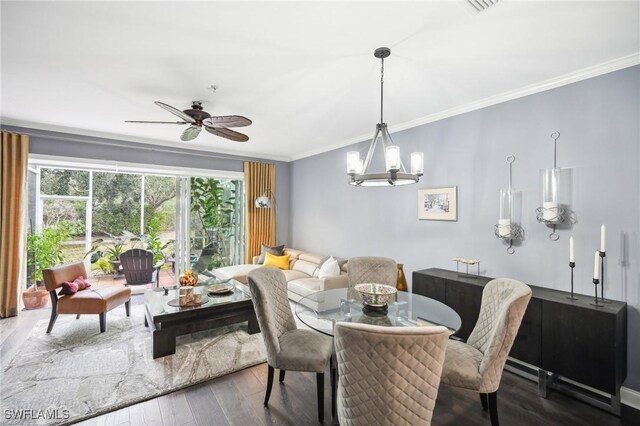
(372, 148)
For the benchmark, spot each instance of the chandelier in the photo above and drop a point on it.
(395, 173)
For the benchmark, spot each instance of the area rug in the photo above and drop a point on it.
(77, 372)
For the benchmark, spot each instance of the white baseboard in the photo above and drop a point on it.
(630, 397)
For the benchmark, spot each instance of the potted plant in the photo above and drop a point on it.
(43, 251)
(110, 250)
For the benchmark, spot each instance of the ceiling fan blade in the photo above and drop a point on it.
(227, 121)
(156, 122)
(228, 134)
(175, 111)
(190, 133)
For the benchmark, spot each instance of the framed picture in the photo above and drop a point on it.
(438, 203)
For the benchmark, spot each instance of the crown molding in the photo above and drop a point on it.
(563, 80)
(70, 133)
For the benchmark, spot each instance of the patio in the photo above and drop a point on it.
(167, 279)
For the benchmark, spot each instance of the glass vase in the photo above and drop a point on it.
(401, 284)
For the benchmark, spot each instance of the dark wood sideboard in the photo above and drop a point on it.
(562, 338)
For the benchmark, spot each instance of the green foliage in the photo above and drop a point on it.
(64, 182)
(153, 242)
(44, 249)
(213, 201)
(116, 202)
(112, 249)
(104, 265)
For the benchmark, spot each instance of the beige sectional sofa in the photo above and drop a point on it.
(302, 276)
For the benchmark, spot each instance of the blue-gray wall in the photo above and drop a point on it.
(600, 142)
(76, 146)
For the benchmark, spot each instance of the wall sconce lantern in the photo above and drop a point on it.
(552, 212)
(508, 227)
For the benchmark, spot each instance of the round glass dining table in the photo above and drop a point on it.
(321, 310)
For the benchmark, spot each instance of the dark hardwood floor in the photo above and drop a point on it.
(236, 399)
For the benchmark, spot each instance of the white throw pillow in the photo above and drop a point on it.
(329, 268)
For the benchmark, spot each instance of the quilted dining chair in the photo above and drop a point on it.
(369, 269)
(477, 365)
(388, 375)
(288, 347)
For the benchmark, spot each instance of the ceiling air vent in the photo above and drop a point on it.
(480, 5)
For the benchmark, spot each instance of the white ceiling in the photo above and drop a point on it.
(304, 72)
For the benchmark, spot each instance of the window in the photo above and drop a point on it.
(95, 213)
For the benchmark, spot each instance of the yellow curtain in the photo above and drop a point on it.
(259, 179)
(14, 154)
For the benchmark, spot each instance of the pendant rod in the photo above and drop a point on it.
(382, 91)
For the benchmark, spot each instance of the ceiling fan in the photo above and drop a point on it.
(197, 118)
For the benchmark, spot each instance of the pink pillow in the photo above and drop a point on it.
(69, 288)
(82, 283)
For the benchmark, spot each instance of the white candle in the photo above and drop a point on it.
(572, 258)
(504, 228)
(550, 212)
(596, 266)
(602, 238)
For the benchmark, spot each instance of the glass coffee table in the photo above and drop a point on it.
(323, 309)
(167, 321)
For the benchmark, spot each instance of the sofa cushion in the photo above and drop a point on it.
(304, 286)
(275, 250)
(313, 258)
(330, 268)
(305, 266)
(294, 275)
(281, 262)
(293, 253)
(237, 272)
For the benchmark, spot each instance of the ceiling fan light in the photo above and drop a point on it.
(417, 163)
(392, 158)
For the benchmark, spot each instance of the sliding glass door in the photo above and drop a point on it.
(192, 221)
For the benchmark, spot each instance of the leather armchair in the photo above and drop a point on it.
(90, 301)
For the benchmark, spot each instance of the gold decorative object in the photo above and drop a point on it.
(189, 278)
(401, 285)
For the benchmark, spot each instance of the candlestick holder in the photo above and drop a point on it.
(602, 256)
(572, 265)
(596, 303)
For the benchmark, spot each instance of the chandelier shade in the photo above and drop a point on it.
(394, 173)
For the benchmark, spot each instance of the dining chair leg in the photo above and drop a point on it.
(269, 385)
(493, 408)
(334, 387)
(282, 372)
(78, 316)
(484, 401)
(320, 386)
(127, 307)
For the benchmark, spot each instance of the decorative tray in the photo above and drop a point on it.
(176, 303)
(221, 288)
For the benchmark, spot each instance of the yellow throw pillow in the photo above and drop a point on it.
(281, 262)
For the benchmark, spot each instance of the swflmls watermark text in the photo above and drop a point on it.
(34, 414)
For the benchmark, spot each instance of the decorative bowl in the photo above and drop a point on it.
(377, 295)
